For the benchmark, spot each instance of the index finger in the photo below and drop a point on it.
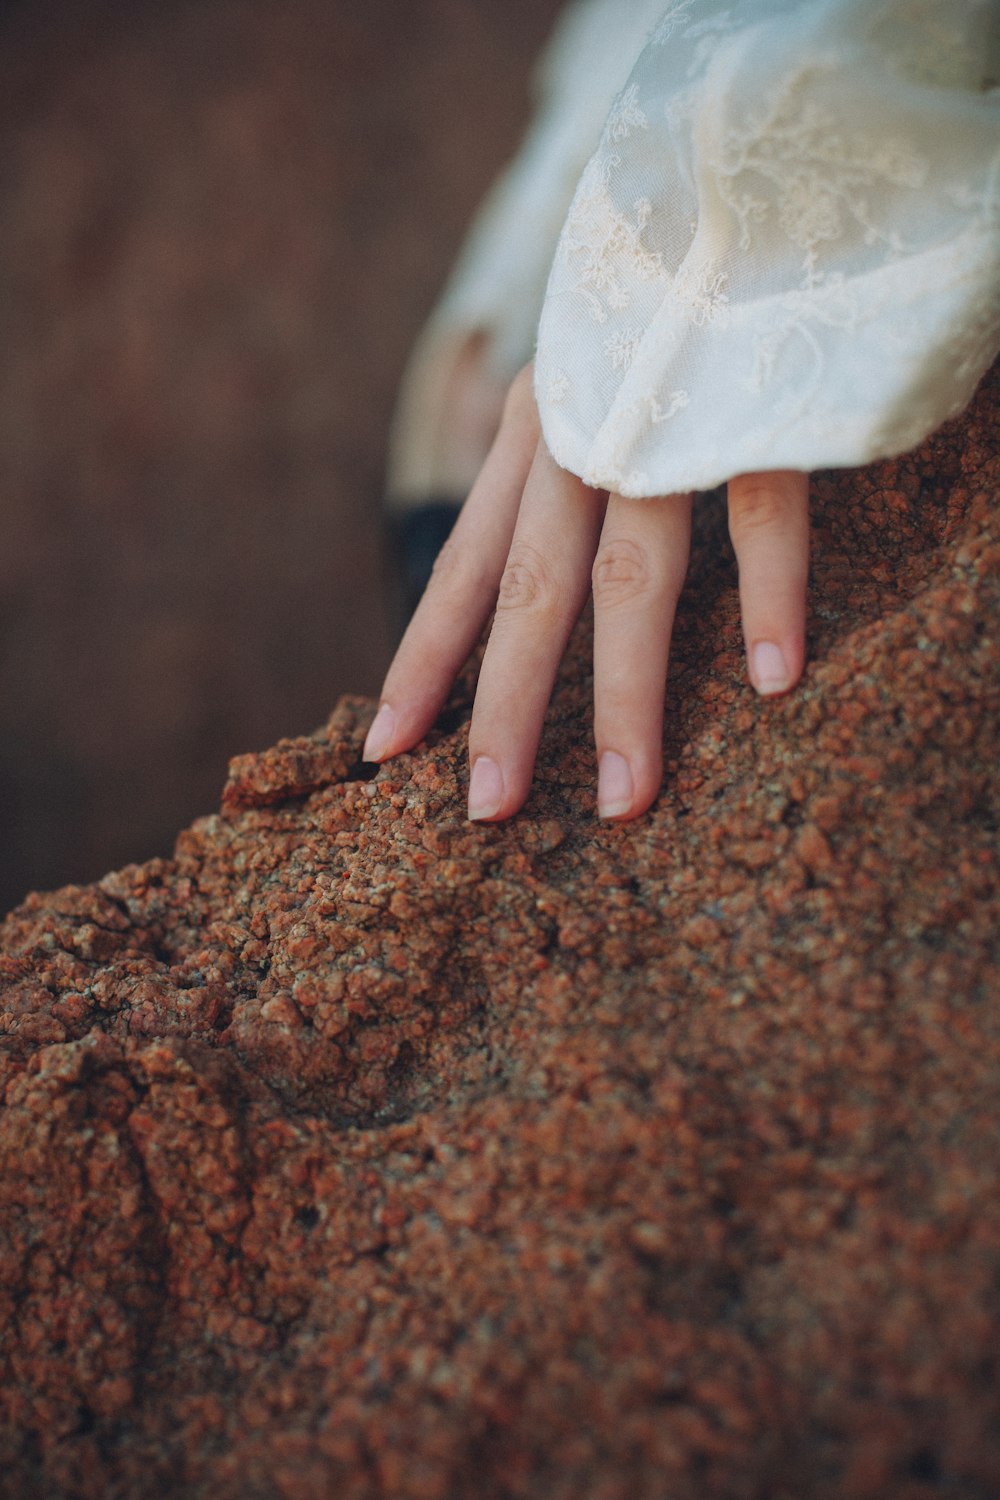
(450, 617)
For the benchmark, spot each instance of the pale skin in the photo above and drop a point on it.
(532, 541)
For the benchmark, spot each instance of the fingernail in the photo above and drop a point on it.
(380, 735)
(614, 785)
(485, 788)
(768, 668)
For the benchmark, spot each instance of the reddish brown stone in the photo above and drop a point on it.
(359, 1151)
(295, 768)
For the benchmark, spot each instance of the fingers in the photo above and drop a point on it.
(463, 587)
(542, 590)
(526, 539)
(637, 578)
(769, 526)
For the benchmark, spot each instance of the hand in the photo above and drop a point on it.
(532, 539)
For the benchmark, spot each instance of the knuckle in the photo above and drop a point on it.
(459, 578)
(448, 563)
(758, 507)
(526, 583)
(450, 573)
(621, 573)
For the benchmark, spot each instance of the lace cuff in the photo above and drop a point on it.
(784, 253)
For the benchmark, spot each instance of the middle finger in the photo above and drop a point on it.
(542, 591)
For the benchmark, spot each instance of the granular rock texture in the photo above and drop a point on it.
(358, 1151)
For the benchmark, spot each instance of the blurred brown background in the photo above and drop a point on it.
(221, 224)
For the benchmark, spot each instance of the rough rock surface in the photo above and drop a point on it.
(357, 1151)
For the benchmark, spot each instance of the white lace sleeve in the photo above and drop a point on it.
(499, 280)
(785, 252)
(496, 289)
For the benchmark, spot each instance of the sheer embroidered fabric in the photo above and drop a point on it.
(784, 253)
(496, 289)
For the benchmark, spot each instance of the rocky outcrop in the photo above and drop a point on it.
(356, 1150)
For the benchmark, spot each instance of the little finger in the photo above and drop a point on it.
(637, 579)
(769, 526)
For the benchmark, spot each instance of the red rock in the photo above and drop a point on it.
(813, 848)
(356, 1150)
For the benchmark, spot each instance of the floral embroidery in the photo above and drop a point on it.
(605, 248)
(701, 289)
(669, 23)
(813, 169)
(621, 347)
(625, 115)
(812, 192)
(662, 412)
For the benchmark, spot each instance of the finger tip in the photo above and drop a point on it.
(773, 670)
(625, 788)
(381, 737)
(486, 791)
(625, 814)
